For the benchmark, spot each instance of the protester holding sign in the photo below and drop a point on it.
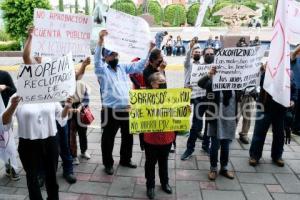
(193, 58)
(114, 89)
(157, 148)
(272, 114)
(221, 125)
(37, 141)
(295, 66)
(7, 89)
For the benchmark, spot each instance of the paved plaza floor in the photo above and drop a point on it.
(188, 178)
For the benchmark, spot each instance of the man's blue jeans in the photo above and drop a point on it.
(197, 123)
(262, 124)
(214, 153)
(296, 124)
(64, 148)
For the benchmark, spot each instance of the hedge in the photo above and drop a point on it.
(175, 14)
(154, 9)
(10, 46)
(126, 6)
(192, 14)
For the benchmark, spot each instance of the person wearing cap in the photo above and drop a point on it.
(114, 90)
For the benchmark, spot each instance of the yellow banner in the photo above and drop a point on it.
(159, 110)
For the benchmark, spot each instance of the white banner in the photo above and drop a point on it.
(237, 68)
(198, 71)
(47, 82)
(200, 17)
(127, 34)
(277, 78)
(8, 150)
(56, 34)
(294, 21)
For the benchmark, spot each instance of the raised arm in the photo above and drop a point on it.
(27, 47)
(98, 59)
(79, 73)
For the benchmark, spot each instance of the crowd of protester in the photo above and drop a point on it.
(48, 130)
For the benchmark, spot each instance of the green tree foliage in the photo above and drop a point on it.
(175, 14)
(126, 6)
(267, 14)
(192, 14)
(154, 9)
(18, 14)
(61, 5)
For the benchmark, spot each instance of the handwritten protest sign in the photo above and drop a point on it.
(56, 34)
(237, 68)
(127, 34)
(159, 110)
(198, 71)
(47, 82)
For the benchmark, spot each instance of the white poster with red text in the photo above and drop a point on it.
(56, 34)
(277, 77)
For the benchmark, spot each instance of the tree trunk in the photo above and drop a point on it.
(61, 5)
(145, 6)
(87, 7)
(76, 6)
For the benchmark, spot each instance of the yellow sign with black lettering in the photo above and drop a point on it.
(159, 110)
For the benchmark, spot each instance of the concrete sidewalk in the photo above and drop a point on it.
(188, 178)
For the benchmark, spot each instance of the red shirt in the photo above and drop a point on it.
(159, 138)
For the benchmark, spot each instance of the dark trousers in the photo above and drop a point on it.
(62, 137)
(197, 123)
(214, 153)
(34, 152)
(81, 129)
(112, 120)
(297, 114)
(206, 138)
(154, 154)
(262, 124)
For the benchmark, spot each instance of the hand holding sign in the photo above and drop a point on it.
(212, 72)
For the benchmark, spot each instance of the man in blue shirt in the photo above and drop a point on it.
(114, 88)
(295, 60)
(159, 38)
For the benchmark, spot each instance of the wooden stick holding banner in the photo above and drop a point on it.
(47, 82)
(159, 110)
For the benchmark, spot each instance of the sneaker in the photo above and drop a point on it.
(279, 162)
(76, 161)
(86, 155)
(186, 155)
(253, 162)
(212, 175)
(244, 139)
(70, 178)
(227, 174)
(12, 174)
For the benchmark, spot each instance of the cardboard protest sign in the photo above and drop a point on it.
(47, 82)
(237, 68)
(127, 34)
(198, 71)
(56, 34)
(159, 110)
